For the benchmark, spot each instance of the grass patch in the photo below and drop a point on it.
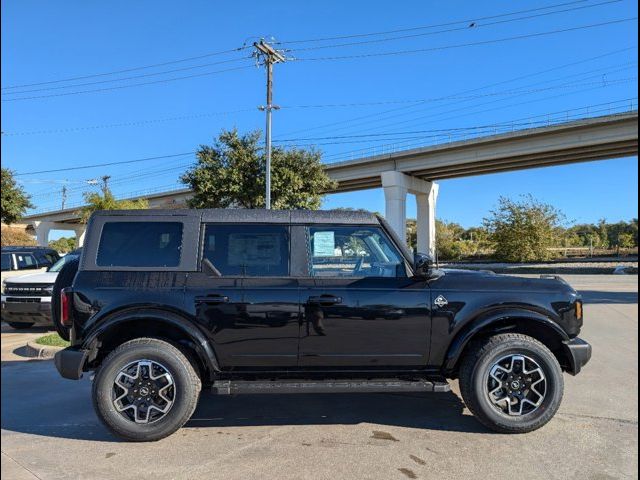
(52, 340)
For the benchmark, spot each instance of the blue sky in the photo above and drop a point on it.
(582, 71)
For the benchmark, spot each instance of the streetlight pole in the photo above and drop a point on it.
(269, 56)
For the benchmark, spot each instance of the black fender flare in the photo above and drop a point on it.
(204, 349)
(479, 324)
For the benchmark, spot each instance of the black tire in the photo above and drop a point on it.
(20, 325)
(186, 381)
(64, 279)
(474, 377)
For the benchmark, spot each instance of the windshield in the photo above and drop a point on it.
(56, 267)
(6, 261)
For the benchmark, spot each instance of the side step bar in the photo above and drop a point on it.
(232, 387)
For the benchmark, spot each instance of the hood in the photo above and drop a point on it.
(488, 280)
(47, 278)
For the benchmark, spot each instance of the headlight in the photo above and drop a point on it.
(49, 290)
(4, 283)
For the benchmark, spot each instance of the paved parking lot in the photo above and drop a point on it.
(49, 430)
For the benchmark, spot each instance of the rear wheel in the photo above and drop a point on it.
(64, 279)
(20, 325)
(145, 390)
(512, 383)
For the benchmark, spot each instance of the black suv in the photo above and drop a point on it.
(165, 303)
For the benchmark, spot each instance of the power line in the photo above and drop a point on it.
(127, 86)
(434, 99)
(465, 108)
(95, 165)
(422, 27)
(126, 78)
(310, 106)
(128, 124)
(484, 87)
(470, 44)
(474, 25)
(127, 70)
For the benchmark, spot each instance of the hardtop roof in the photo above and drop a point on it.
(243, 215)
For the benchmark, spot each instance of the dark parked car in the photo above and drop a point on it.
(165, 303)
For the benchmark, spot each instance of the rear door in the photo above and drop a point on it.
(245, 297)
(362, 310)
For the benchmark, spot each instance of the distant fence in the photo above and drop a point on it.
(594, 252)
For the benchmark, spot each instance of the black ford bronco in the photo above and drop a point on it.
(164, 303)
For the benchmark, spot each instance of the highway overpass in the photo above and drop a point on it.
(416, 170)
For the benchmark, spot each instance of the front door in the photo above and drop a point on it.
(245, 298)
(362, 310)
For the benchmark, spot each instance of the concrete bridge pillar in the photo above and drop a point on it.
(80, 231)
(42, 230)
(396, 185)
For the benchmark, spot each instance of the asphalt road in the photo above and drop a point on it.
(49, 430)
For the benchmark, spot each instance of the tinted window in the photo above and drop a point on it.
(140, 244)
(352, 252)
(6, 261)
(26, 261)
(248, 250)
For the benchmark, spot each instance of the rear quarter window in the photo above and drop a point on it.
(140, 244)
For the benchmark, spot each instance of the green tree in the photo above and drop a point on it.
(230, 174)
(14, 201)
(106, 201)
(626, 240)
(63, 244)
(523, 231)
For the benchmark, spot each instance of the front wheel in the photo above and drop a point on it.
(512, 383)
(145, 390)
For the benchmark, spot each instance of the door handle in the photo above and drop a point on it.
(325, 300)
(213, 299)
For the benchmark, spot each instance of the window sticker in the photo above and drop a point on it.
(324, 244)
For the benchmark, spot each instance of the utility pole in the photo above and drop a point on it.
(105, 183)
(269, 56)
(64, 196)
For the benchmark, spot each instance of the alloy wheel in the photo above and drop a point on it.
(516, 385)
(143, 391)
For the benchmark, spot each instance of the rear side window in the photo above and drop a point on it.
(248, 250)
(6, 261)
(140, 244)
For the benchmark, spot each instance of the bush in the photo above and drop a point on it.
(523, 231)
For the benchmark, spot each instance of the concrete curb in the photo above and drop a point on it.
(43, 352)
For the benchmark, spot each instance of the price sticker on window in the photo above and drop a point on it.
(324, 244)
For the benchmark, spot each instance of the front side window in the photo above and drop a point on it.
(352, 252)
(140, 244)
(248, 250)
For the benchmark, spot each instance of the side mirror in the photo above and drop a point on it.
(422, 264)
